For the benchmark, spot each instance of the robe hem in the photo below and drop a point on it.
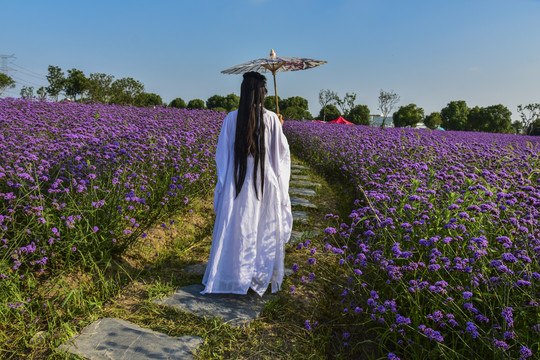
(235, 292)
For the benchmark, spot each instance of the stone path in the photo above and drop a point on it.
(302, 191)
(301, 202)
(235, 310)
(111, 339)
(119, 339)
(303, 183)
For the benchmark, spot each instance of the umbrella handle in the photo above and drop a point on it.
(275, 89)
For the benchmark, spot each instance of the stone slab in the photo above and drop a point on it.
(287, 272)
(235, 310)
(297, 171)
(196, 269)
(296, 166)
(111, 339)
(298, 201)
(302, 191)
(303, 183)
(296, 236)
(300, 216)
(299, 177)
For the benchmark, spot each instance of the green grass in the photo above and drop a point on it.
(124, 288)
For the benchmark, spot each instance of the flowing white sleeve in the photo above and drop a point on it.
(284, 176)
(222, 159)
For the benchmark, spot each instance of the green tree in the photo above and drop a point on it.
(346, 104)
(99, 87)
(529, 114)
(330, 112)
(75, 84)
(477, 119)
(125, 90)
(326, 97)
(215, 101)
(145, 99)
(42, 93)
(178, 103)
(535, 128)
(454, 115)
(433, 120)
(295, 108)
(387, 101)
(27, 92)
(294, 101)
(493, 119)
(232, 101)
(359, 115)
(195, 104)
(225, 103)
(56, 80)
(501, 119)
(293, 113)
(270, 103)
(408, 115)
(517, 127)
(6, 82)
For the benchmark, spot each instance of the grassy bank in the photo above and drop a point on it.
(126, 285)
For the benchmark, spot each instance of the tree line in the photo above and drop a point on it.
(104, 88)
(455, 116)
(356, 113)
(96, 87)
(330, 101)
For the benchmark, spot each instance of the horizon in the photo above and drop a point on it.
(482, 52)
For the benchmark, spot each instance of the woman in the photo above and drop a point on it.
(251, 199)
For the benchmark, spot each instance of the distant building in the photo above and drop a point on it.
(377, 120)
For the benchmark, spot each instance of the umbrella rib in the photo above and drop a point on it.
(273, 67)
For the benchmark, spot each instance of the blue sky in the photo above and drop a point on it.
(430, 52)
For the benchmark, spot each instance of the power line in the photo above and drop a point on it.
(5, 58)
(27, 74)
(23, 68)
(5, 68)
(9, 93)
(25, 82)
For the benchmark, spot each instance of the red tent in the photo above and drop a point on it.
(340, 120)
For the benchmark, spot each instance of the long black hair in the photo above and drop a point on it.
(249, 139)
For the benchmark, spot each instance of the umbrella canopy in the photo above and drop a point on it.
(274, 64)
(340, 120)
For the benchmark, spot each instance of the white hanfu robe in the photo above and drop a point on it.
(248, 244)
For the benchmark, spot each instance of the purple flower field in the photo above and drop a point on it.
(438, 259)
(80, 181)
(440, 256)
